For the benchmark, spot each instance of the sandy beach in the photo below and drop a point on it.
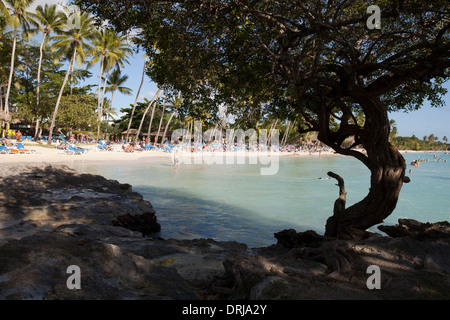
(50, 154)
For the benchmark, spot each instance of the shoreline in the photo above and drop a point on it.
(58, 156)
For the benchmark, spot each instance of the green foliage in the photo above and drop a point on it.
(51, 77)
(77, 111)
(313, 61)
(414, 143)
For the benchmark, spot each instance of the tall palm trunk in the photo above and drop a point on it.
(1, 97)
(137, 97)
(107, 115)
(11, 72)
(71, 78)
(41, 53)
(146, 110)
(151, 121)
(167, 126)
(160, 123)
(58, 101)
(100, 111)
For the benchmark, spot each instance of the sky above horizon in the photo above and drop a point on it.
(420, 123)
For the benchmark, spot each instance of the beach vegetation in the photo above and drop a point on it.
(49, 20)
(76, 111)
(72, 43)
(111, 49)
(414, 143)
(22, 24)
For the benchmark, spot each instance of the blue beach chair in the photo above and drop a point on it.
(21, 148)
(101, 146)
(72, 150)
(4, 150)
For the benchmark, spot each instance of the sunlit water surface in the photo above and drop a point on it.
(235, 202)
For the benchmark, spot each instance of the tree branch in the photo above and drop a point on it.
(339, 204)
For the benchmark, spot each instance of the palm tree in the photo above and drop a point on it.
(115, 82)
(431, 138)
(75, 39)
(153, 102)
(18, 17)
(5, 12)
(49, 20)
(109, 113)
(110, 48)
(137, 96)
(160, 123)
(175, 104)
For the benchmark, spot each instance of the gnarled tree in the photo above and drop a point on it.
(317, 58)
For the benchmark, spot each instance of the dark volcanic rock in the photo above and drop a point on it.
(418, 230)
(144, 223)
(47, 196)
(35, 267)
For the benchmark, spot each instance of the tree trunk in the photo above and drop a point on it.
(387, 167)
(107, 114)
(58, 101)
(11, 72)
(146, 110)
(36, 131)
(71, 78)
(137, 97)
(150, 123)
(167, 126)
(160, 123)
(100, 111)
(99, 106)
(39, 83)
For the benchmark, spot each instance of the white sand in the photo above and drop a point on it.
(54, 155)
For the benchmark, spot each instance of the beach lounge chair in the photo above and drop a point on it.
(21, 148)
(127, 149)
(73, 150)
(5, 150)
(101, 146)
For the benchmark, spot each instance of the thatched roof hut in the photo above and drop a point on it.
(5, 116)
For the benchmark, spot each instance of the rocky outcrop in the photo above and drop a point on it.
(36, 267)
(35, 198)
(52, 217)
(418, 230)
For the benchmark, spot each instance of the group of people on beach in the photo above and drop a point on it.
(215, 146)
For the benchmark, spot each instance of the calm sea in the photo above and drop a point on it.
(235, 202)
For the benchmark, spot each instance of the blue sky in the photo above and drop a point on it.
(422, 122)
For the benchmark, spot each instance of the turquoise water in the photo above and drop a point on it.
(235, 202)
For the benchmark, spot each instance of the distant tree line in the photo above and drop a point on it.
(430, 142)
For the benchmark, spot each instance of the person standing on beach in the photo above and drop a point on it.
(18, 136)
